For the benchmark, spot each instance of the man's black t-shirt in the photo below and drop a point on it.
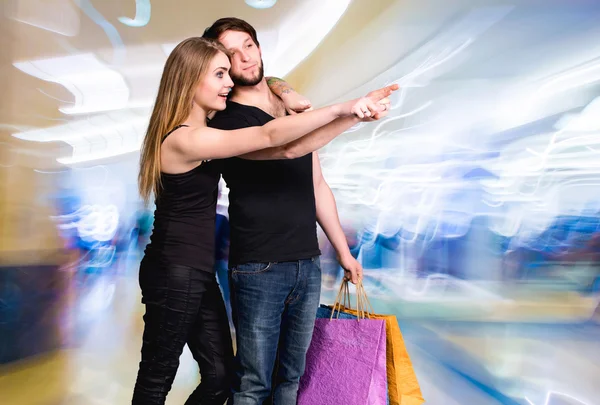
(272, 211)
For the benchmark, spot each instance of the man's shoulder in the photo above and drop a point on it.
(235, 116)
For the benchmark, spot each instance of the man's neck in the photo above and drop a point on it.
(256, 95)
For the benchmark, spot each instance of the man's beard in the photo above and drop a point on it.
(243, 81)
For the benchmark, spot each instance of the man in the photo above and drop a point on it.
(276, 197)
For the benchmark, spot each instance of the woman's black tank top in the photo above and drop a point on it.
(184, 219)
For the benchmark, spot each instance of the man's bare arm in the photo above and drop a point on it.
(279, 86)
(294, 102)
(322, 136)
(308, 143)
(328, 219)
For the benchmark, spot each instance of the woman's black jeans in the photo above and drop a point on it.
(183, 305)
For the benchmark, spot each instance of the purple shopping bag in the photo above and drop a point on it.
(345, 364)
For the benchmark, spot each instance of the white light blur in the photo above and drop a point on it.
(261, 4)
(96, 138)
(301, 32)
(410, 175)
(551, 394)
(143, 11)
(95, 86)
(92, 222)
(56, 16)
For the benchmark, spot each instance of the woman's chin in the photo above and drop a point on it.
(220, 107)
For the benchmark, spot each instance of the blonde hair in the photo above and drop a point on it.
(184, 69)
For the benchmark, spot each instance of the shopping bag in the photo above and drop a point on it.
(402, 383)
(345, 363)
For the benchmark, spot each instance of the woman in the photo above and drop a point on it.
(179, 288)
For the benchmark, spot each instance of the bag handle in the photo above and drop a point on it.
(364, 309)
(366, 304)
(342, 292)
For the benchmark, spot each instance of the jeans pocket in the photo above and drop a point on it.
(251, 268)
(317, 262)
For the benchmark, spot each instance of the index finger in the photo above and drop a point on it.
(383, 92)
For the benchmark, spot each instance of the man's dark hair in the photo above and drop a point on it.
(230, 24)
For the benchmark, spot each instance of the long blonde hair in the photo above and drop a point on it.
(184, 69)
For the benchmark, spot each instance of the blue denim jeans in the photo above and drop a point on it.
(274, 310)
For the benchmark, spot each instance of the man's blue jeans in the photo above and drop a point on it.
(274, 310)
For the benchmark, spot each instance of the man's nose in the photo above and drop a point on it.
(244, 56)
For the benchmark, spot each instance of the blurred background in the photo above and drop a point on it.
(474, 207)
